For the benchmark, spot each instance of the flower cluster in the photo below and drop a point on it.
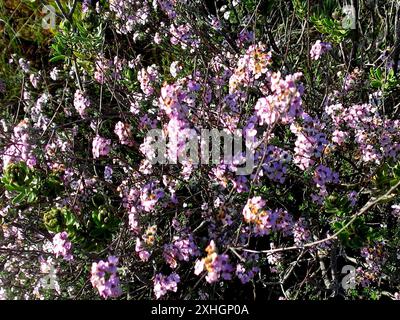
(323, 176)
(319, 48)
(181, 249)
(20, 147)
(108, 68)
(245, 275)
(252, 209)
(284, 104)
(150, 196)
(168, 6)
(61, 246)
(147, 78)
(301, 233)
(81, 103)
(101, 146)
(266, 221)
(36, 111)
(350, 81)
(163, 284)
(129, 14)
(216, 265)
(310, 143)
(396, 210)
(276, 163)
(140, 249)
(182, 35)
(250, 67)
(375, 258)
(375, 137)
(105, 279)
(137, 177)
(123, 131)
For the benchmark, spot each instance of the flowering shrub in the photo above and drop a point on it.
(103, 193)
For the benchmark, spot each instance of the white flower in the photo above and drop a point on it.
(175, 68)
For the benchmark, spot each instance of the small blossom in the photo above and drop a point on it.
(61, 246)
(175, 68)
(123, 131)
(105, 279)
(163, 284)
(101, 146)
(81, 103)
(319, 48)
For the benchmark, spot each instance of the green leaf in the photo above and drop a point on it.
(58, 58)
(31, 197)
(18, 198)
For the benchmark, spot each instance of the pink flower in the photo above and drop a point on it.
(301, 233)
(34, 79)
(396, 210)
(101, 146)
(175, 68)
(157, 38)
(199, 267)
(81, 102)
(162, 284)
(319, 48)
(61, 246)
(144, 255)
(20, 147)
(266, 111)
(252, 208)
(183, 36)
(339, 137)
(168, 7)
(123, 131)
(179, 250)
(147, 78)
(150, 195)
(216, 265)
(104, 278)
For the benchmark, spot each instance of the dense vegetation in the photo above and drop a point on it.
(86, 212)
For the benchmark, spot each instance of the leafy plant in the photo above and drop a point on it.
(21, 181)
(386, 81)
(330, 27)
